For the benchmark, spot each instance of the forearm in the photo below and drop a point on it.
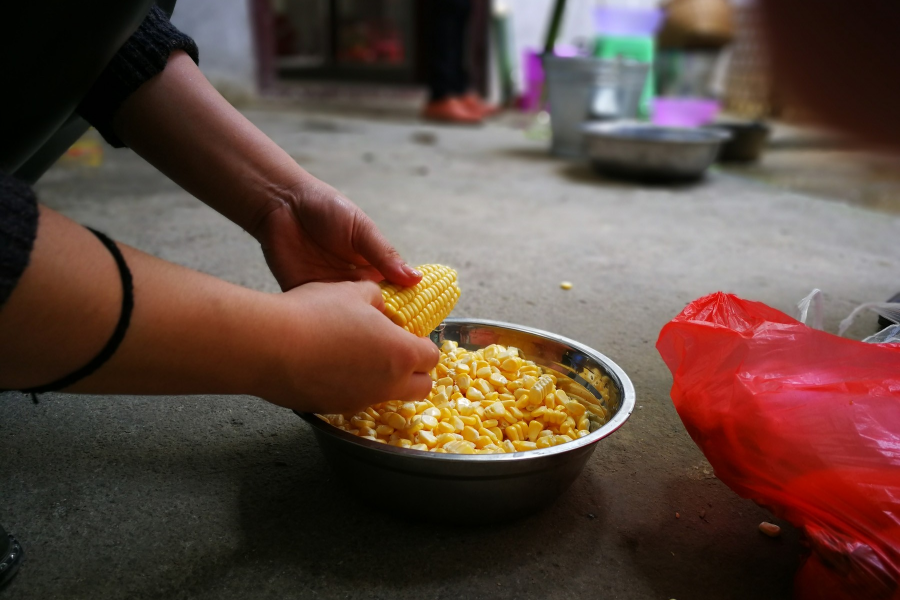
(189, 332)
(179, 123)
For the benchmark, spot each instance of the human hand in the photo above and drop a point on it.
(314, 233)
(307, 229)
(339, 352)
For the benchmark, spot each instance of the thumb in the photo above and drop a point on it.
(379, 253)
(370, 293)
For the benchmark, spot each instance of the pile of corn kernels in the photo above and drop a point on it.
(486, 401)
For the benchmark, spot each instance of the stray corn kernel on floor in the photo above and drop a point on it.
(229, 498)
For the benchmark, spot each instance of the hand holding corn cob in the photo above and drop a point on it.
(348, 356)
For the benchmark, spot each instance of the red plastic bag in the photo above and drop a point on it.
(806, 424)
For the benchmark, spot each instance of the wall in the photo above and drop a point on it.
(530, 19)
(223, 31)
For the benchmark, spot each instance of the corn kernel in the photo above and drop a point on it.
(359, 423)
(408, 410)
(523, 446)
(396, 420)
(482, 441)
(470, 433)
(384, 430)
(460, 447)
(446, 438)
(463, 382)
(427, 438)
(544, 442)
(534, 430)
(470, 420)
(418, 447)
(483, 386)
(474, 394)
(488, 433)
(445, 427)
(495, 410)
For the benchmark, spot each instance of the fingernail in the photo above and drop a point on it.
(410, 271)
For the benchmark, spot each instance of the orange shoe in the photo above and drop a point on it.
(451, 110)
(476, 105)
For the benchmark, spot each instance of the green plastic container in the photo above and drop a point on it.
(635, 47)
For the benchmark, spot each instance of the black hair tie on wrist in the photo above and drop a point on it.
(117, 336)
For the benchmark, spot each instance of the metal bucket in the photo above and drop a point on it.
(589, 89)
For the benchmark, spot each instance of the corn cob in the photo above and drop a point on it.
(422, 307)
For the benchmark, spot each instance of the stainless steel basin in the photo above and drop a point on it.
(651, 153)
(482, 488)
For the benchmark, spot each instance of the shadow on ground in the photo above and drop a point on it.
(302, 526)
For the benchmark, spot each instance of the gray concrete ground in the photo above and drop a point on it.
(221, 497)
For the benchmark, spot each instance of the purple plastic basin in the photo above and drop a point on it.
(684, 112)
(533, 69)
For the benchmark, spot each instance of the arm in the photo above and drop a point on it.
(313, 348)
(308, 230)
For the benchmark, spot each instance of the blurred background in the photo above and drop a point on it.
(706, 65)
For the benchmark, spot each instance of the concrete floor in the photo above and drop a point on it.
(223, 497)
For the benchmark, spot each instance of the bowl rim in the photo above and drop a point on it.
(627, 403)
(612, 131)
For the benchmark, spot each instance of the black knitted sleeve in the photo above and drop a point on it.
(18, 228)
(144, 55)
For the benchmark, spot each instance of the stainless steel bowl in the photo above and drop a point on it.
(651, 153)
(481, 488)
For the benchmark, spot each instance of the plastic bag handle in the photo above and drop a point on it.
(815, 299)
(888, 310)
